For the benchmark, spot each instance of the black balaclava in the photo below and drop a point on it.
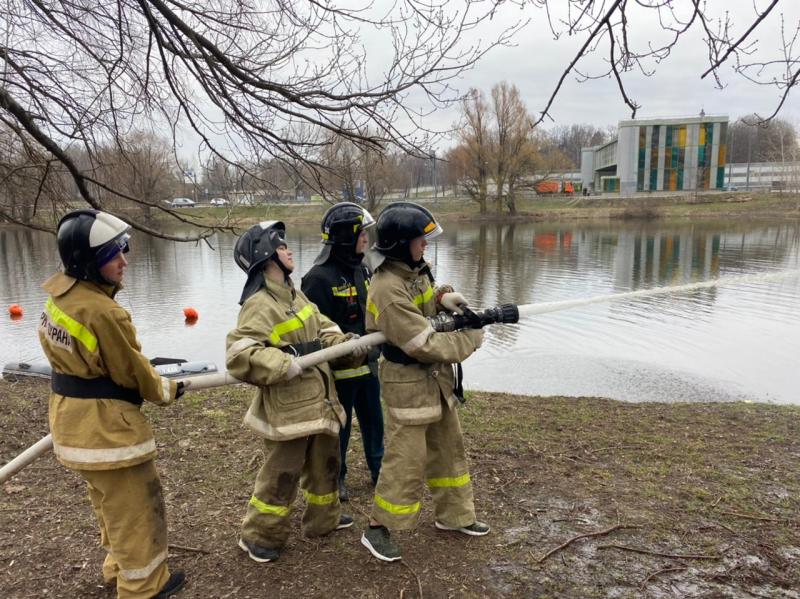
(346, 254)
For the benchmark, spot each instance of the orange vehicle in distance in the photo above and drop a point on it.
(548, 186)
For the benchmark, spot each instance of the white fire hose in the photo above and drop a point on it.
(204, 381)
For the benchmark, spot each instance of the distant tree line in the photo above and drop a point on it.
(774, 141)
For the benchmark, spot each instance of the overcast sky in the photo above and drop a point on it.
(537, 61)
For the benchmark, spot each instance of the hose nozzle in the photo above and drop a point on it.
(502, 314)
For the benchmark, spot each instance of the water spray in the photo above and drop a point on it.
(545, 307)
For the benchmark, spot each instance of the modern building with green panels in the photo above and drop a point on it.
(673, 154)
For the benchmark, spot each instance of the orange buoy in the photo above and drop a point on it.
(190, 314)
(15, 310)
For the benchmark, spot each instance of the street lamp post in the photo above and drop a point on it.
(435, 186)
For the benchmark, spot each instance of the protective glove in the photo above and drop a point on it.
(294, 370)
(453, 301)
(181, 388)
(358, 351)
(475, 335)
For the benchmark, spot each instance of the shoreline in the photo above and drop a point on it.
(587, 497)
(705, 206)
(599, 209)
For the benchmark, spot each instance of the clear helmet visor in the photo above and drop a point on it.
(433, 230)
(367, 221)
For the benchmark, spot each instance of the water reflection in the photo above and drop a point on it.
(718, 343)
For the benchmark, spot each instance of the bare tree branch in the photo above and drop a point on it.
(608, 28)
(241, 77)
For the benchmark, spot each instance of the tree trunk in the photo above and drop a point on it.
(498, 197)
(511, 203)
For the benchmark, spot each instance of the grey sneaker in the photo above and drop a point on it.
(379, 543)
(345, 521)
(258, 553)
(476, 529)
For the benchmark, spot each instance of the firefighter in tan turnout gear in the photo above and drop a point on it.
(295, 411)
(424, 443)
(99, 381)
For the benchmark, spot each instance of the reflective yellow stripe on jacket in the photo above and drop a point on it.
(424, 297)
(76, 329)
(294, 323)
(350, 373)
(344, 291)
(395, 508)
(373, 309)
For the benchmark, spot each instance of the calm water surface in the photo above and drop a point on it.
(727, 343)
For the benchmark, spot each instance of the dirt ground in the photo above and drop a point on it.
(586, 497)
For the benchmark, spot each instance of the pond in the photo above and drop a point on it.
(731, 342)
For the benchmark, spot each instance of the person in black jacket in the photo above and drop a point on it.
(337, 284)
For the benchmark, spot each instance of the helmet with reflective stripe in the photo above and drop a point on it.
(258, 244)
(341, 226)
(399, 224)
(88, 240)
(343, 222)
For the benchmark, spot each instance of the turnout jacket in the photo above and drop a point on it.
(274, 317)
(399, 302)
(340, 292)
(85, 333)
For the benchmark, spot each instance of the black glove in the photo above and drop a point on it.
(180, 390)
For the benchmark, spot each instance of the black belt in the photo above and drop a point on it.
(397, 355)
(99, 388)
(301, 349)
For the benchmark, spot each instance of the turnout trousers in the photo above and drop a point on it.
(416, 454)
(363, 394)
(311, 461)
(129, 506)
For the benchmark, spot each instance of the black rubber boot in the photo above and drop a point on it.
(172, 586)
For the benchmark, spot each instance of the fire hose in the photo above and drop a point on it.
(442, 322)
